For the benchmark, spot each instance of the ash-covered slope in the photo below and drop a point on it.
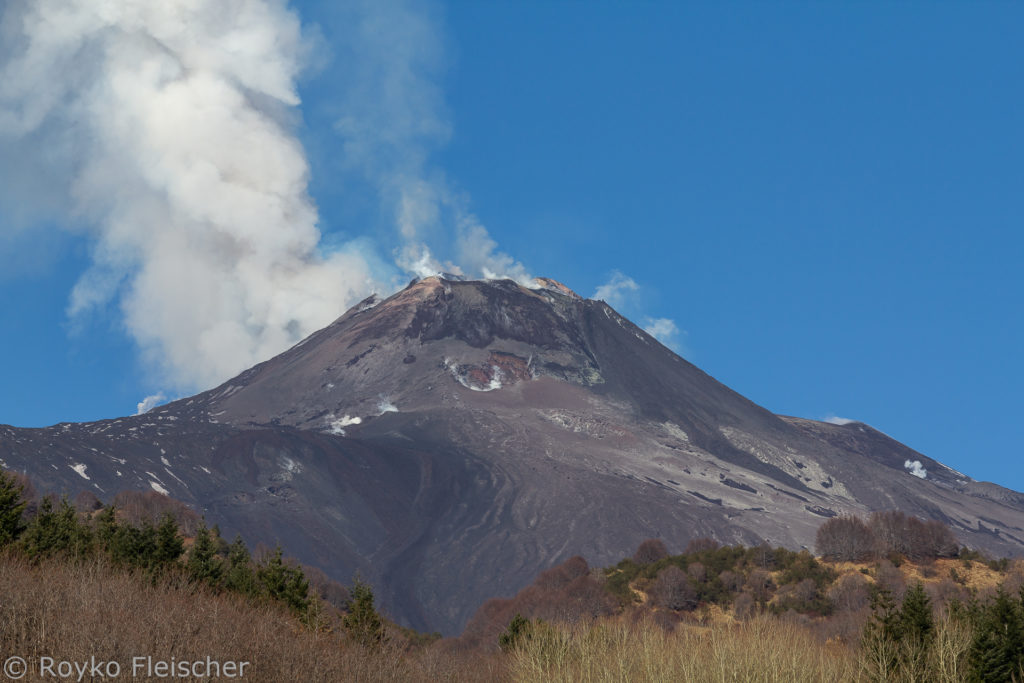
(451, 441)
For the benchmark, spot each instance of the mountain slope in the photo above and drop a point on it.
(454, 439)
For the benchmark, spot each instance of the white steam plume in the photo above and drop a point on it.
(147, 404)
(915, 468)
(164, 129)
(621, 293)
(394, 118)
(664, 330)
(614, 291)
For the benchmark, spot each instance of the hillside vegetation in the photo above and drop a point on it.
(888, 598)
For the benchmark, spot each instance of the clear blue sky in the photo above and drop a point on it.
(826, 198)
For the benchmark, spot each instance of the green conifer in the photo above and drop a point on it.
(12, 509)
(203, 563)
(362, 622)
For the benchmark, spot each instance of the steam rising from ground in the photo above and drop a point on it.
(166, 127)
(166, 132)
(620, 292)
(915, 468)
(394, 119)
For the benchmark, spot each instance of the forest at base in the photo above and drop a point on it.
(890, 598)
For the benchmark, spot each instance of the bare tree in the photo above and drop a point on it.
(845, 538)
(651, 550)
(672, 590)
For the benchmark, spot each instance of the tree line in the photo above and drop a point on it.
(47, 529)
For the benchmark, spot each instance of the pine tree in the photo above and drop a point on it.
(203, 563)
(169, 544)
(238, 574)
(997, 651)
(916, 621)
(12, 508)
(916, 633)
(105, 527)
(519, 630)
(362, 622)
(283, 582)
(880, 639)
(135, 546)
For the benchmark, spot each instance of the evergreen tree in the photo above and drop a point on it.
(56, 531)
(362, 622)
(238, 573)
(283, 582)
(135, 546)
(169, 544)
(203, 563)
(105, 527)
(916, 633)
(519, 630)
(997, 651)
(12, 508)
(880, 640)
(917, 625)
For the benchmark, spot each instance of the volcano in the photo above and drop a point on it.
(451, 441)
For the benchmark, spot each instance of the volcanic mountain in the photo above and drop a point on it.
(453, 440)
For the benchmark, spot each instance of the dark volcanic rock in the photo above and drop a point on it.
(455, 439)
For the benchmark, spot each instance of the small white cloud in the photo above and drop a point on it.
(915, 468)
(836, 420)
(147, 404)
(614, 291)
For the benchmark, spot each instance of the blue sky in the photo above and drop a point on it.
(824, 198)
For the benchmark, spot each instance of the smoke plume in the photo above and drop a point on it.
(394, 119)
(164, 128)
(166, 132)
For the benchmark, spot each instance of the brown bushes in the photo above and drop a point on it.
(650, 551)
(850, 539)
(73, 612)
(566, 593)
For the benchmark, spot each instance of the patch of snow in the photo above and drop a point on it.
(158, 488)
(205, 470)
(915, 468)
(384, 405)
(176, 477)
(164, 461)
(80, 469)
(957, 472)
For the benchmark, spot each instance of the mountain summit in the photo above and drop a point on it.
(453, 440)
